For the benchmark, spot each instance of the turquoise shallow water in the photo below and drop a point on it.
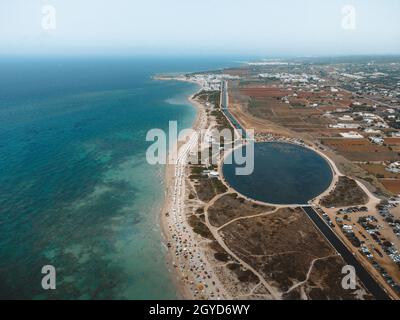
(283, 174)
(75, 189)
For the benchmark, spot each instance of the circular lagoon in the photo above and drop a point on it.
(283, 173)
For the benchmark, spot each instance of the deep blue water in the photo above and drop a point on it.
(75, 189)
(283, 174)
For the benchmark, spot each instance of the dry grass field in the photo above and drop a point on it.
(360, 150)
(265, 102)
(290, 253)
(325, 274)
(263, 92)
(379, 171)
(346, 193)
(231, 206)
(393, 143)
(393, 185)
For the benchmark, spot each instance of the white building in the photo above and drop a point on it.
(213, 174)
(377, 140)
(393, 167)
(347, 228)
(346, 118)
(344, 126)
(372, 131)
(351, 135)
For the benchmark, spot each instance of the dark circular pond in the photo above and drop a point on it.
(283, 173)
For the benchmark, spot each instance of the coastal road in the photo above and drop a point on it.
(224, 107)
(369, 282)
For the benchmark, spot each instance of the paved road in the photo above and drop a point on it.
(369, 282)
(224, 107)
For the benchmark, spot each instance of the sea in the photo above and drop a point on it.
(76, 191)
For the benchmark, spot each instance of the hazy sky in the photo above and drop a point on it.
(259, 27)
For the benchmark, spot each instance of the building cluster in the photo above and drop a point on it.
(363, 116)
(269, 137)
(362, 124)
(211, 174)
(374, 90)
(284, 77)
(364, 87)
(271, 63)
(374, 80)
(210, 81)
(394, 167)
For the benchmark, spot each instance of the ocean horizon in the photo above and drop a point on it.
(76, 191)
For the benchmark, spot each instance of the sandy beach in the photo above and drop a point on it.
(191, 272)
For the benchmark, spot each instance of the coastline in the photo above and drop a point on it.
(170, 179)
(187, 257)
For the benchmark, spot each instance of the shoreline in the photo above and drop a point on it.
(169, 179)
(183, 279)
